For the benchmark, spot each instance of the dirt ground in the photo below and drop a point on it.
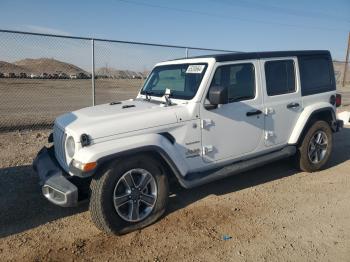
(274, 213)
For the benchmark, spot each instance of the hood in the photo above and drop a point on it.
(114, 119)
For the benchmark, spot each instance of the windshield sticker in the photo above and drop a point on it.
(195, 69)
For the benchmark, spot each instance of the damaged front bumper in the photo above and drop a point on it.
(55, 185)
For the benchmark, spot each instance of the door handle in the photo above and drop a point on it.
(293, 105)
(254, 113)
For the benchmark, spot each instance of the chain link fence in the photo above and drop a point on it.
(339, 70)
(43, 76)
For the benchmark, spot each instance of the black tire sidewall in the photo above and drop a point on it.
(113, 222)
(304, 161)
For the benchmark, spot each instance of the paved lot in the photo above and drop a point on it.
(28, 103)
(34, 103)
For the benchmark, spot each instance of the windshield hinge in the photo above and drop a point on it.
(206, 123)
(167, 94)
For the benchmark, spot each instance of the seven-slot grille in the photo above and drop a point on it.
(59, 138)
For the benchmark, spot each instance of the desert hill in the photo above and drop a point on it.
(6, 67)
(53, 66)
(48, 65)
(115, 73)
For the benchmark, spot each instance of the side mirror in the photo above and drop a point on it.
(218, 95)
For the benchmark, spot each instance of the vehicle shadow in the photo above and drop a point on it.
(21, 203)
(181, 198)
(23, 207)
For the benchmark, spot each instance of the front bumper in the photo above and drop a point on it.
(55, 186)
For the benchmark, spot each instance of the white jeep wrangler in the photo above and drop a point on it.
(196, 120)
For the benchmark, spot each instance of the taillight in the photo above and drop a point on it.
(338, 100)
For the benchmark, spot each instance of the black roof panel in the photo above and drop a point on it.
(257, 55)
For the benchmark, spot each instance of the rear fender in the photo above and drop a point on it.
(305, 117)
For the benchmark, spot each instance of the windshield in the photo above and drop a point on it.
(183, 80)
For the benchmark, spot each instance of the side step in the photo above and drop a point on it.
(197, 179)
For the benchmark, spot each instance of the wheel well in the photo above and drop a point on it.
(155, 154)
(172, 177)
(325, 115)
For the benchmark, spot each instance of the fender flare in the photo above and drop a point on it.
(306, 117)
(145, 149)
(124, 147)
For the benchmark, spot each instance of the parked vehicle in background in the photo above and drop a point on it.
(195, 120)
(55, 76)
(73, 76)
(34, 76)
(1, 75)
(10, 75)
(22, 75)
(43, 76)
(63, 76)
(82, 76)
(101, 77)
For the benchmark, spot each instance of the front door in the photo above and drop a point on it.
(234, 129)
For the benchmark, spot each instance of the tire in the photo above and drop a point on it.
(313, 156)
(106, 213)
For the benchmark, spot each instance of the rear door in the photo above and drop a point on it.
(282, 98)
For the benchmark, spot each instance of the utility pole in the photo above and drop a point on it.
(93, 71)
(346, 61)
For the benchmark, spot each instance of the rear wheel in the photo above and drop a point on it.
(129, 195)
(316, 147)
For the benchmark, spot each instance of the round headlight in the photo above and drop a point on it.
(70, 146)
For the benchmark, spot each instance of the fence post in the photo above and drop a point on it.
(186, 52)
(93, 71)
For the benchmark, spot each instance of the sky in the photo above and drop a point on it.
(237, 25)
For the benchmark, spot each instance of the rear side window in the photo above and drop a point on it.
(280, 77)
(315, 75)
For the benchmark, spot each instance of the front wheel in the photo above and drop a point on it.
(316, 147)
(129, 195)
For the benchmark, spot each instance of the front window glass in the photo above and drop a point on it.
(239, 80)
(183, 80)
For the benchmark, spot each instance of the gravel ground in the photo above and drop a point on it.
(29, 103)
(275, 213)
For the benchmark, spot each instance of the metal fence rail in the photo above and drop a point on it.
(45, 75)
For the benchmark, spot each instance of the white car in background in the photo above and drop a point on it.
(34, 76)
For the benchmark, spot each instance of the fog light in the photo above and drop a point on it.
(53, 194)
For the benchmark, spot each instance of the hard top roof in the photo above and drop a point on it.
(257, 55)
